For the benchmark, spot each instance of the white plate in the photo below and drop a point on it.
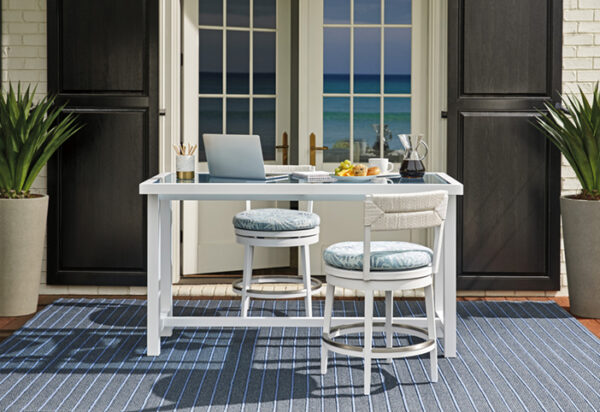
(355, 179)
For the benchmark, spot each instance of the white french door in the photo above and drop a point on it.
(365, 72)
(363, 78)
(236, 79)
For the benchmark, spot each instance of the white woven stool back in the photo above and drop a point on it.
(406, 211)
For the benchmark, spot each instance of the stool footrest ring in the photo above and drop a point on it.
(378, 352)
(238, 285)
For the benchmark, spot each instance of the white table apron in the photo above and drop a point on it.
(160, 319)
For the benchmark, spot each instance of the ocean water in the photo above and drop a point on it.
(367, 115)
(336, 114)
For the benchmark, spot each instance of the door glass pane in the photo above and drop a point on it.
(211, 61)
(238, 13)
(265, 13)
(264, 125)
(398, 11)
(367, 60)
(238, 58)
(336, 60)
(336, 11)
(366, 124)
(396, 121)
(238, 120)
(210, 12)
(336, 128)
(397, 60)
(264, 63)
(210, 120)
(367, 11)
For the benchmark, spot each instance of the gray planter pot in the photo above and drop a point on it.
(22, 231)
(581, 233)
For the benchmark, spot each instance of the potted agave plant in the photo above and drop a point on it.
(575, 130)
(30, 133)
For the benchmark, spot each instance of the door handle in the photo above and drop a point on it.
(314, 148)
(284, 146)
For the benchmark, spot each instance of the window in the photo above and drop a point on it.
(237, 66)
(366, 78)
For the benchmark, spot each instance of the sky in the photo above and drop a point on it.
(367, 40)
(367, 49)
(397, 43)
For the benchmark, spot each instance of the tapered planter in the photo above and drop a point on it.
(22, 231)
(581, 233)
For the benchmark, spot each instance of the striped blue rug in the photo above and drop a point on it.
(82, 355)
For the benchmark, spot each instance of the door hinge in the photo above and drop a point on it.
(444, 114)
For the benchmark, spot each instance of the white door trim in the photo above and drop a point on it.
(169, 103)
(189, 113)
(437, 83)
(310, 79)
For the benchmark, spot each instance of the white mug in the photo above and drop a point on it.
(382, 163)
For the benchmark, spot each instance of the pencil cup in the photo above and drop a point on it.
(185, 165)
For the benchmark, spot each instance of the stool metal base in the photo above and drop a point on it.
(379, 353)
(238, 284)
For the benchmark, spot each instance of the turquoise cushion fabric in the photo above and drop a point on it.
(275, 220)
(390, 256)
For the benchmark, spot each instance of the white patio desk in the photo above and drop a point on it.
(164, 188)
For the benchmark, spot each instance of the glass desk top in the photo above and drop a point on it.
(429, 178)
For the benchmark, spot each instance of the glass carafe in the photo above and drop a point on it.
(412, 165)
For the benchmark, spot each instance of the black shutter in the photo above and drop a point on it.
(102, 62)
(505, 61)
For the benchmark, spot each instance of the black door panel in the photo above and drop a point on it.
(504, 62)
(102, 62)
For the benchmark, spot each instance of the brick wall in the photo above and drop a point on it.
(581, 69)
(24, 59)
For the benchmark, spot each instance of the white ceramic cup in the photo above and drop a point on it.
(382, 163)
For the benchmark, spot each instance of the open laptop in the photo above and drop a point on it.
(236, 156)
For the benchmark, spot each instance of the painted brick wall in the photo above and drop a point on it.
(24, 59)
(581, 69)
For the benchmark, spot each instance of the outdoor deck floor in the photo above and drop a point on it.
(8, 325)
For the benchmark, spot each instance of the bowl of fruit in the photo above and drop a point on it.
(348, 172)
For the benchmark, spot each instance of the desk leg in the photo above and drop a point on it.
(166, 278)
(153, 315)
(450, 280)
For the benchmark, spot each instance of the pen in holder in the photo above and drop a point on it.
(185, 161)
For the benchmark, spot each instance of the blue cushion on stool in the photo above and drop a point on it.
(385, 256)
(275, 220)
